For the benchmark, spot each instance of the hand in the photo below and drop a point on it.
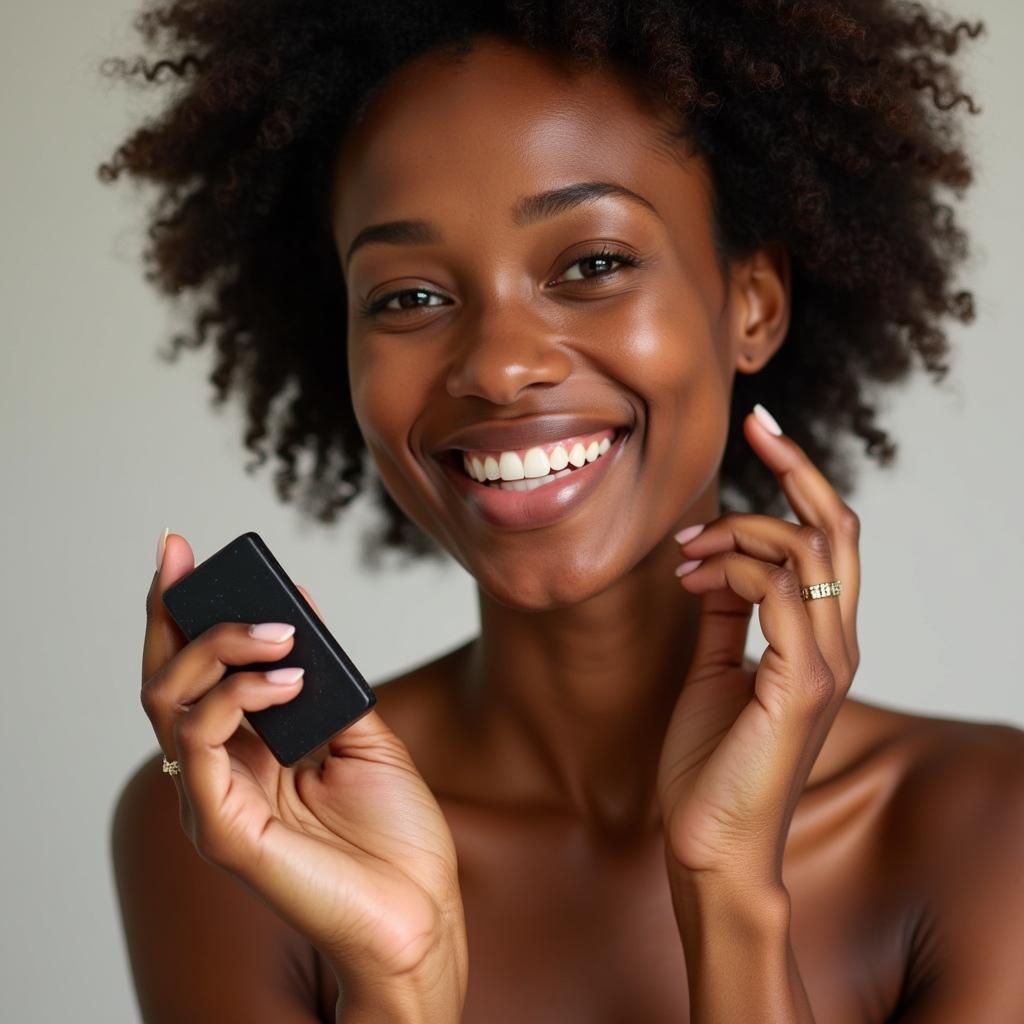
(740, 745)
(350, 848)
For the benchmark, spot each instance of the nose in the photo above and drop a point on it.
(502, 354)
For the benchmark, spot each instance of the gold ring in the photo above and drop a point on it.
(833, 588)
(171, 767)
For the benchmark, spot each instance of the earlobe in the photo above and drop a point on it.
(763, 285)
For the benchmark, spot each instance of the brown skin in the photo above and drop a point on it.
(544, 740)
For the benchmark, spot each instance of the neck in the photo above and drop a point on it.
(570, 705)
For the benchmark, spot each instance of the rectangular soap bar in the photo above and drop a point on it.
(244, 582)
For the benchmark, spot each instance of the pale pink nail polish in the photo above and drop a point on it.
(767, 419)
(682, 570)
(161, 544)
(276, 632)
(689, 532)
(284, 675)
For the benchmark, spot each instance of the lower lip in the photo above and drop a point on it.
(525, 510)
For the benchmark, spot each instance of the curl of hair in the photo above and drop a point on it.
(829, 127)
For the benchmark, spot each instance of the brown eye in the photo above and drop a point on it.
(601, 261)
(383, 302)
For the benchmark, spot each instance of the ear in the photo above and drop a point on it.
(761, 286)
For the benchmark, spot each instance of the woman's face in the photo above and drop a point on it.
(500, 320)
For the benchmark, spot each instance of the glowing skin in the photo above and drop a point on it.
(540, 737)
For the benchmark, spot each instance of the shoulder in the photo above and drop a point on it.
(184, 918)
(954, 844)
(962, 788)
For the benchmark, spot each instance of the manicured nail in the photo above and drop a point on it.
(276, 632)
(689, 533)
(767, 419)
(285, 675)
(682, 570)
(160, 545)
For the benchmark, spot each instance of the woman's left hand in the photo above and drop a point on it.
(740, 745)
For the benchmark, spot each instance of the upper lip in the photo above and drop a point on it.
(509, 435)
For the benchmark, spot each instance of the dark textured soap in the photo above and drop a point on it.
(244, 582)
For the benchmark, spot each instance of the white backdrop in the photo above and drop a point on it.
(105, 444)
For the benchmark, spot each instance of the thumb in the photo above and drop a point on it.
(163, 638)
(309, 600)
(721, 631)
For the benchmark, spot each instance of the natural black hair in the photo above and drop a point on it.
(830, 127)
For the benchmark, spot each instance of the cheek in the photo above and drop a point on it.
(383, 385)
(671, 358)
(386, 399)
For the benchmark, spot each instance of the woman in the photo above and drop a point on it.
(564, 258)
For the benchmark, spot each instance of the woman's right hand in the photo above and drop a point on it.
(354, 851)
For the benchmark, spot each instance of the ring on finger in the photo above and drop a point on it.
(830, 588)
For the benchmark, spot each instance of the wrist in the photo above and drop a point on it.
(432, 994)
(744, 902)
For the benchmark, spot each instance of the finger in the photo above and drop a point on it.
(805, 549)
(197, 668)
(804, 687)
(816, 503)
(200, 736)
(163, 638)
(309, 600)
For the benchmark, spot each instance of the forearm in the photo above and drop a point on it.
(739, 957)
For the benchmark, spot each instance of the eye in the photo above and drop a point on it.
(372, 308)
(602, 258)
(599, 258)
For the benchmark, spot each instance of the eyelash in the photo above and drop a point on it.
(370, 309)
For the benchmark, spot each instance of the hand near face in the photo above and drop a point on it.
(740, 745)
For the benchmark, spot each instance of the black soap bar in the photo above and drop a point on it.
(244, 582)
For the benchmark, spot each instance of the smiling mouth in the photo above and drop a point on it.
(454, 457)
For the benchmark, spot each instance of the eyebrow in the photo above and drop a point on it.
(527, 210)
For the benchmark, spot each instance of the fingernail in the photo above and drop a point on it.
(689, 533)
(767, 419)
(682, 570)
(276, 632)
(160, 545)
(284, 675)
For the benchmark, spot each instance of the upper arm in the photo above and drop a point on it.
(202, 947)
(968, 960)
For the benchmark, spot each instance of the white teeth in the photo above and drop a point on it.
(511, 466)
(535, 463)
(535, 468)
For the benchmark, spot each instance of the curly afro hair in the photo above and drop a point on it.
(830, 127)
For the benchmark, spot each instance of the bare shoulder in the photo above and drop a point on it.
(960, 774)
(201, 946)
(957, 784)
(953, 846)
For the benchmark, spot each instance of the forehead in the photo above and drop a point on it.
(496, 123)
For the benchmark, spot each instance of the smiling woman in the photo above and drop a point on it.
(547, 265)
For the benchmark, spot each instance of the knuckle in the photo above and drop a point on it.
(820, 686)
(815, 540)
(849, 523)
(153, 698)
(783, 582)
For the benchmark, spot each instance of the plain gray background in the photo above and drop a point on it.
(105, 444)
